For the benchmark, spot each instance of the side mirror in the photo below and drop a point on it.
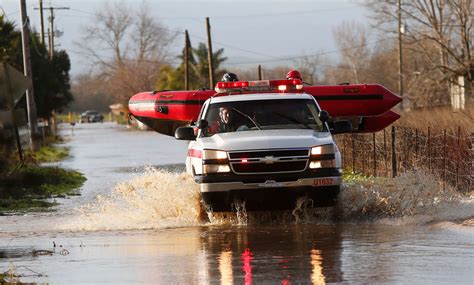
(202, 124)
(324, 116)
(341, 127)
(185, 133)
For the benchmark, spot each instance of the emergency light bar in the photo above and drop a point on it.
(260, 85)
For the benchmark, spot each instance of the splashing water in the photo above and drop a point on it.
(157, 199)
(161, 199)
(239, 217)
(241, 212)
(301, 211)
(414, 197)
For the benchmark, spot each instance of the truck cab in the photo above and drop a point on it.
(264, 148)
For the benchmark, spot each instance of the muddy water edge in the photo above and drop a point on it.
(139, 220)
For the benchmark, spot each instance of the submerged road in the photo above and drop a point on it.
(138, 220)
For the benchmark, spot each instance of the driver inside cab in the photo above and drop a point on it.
(222, 122)
(225, 120)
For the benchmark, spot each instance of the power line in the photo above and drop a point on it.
(314, 11)
(301, 12)
(51, 33)
(279, 59)
(237, 48)
(275, 58)
(91, 14)
(290, 58)
(218, 43)
(10, 14)
(267, 61)
(4, 13)
(82, 11)
(272, 58)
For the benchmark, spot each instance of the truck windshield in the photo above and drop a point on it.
(262, 115)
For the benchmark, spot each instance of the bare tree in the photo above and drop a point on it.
(440, 31)
(311, 67)
(153, 39)
(107, 35)
(126, 48)
(351, 37)
(89, 93)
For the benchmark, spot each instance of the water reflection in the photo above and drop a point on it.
(317, 276)
(247, 266)
(307, 254)
(225, 267)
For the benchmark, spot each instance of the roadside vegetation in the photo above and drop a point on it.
(350, 177)
(72, 117)
(27, 186)
(439, 118)
(50, 154)
(75, 117)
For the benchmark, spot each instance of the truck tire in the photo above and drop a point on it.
(217, 201)
(324, 197)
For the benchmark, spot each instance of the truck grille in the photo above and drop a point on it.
(269, 161)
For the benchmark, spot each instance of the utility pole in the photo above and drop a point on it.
(30, 98)
(41, 20)
(400, 54)
(49, 44)
(186, 61)
(259, 72)
(209, 54)
(51, 26)
(51, 30)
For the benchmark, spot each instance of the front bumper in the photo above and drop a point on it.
(229, 182)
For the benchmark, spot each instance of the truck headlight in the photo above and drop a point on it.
(214, 154)
(331, 163)
(215, 168)
(323, 149)
(214, 161)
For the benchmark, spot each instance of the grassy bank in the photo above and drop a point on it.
(27, 187)
(49, 154)
(68, 118)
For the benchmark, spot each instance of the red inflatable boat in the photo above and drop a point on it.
(367, 106)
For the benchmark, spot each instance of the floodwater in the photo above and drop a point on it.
(139, 220)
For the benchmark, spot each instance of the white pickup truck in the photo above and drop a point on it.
(274, 148)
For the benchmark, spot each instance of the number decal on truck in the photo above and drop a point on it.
(323, 181)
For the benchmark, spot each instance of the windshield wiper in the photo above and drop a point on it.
(248, 117)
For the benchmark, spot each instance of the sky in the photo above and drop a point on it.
(251, 32)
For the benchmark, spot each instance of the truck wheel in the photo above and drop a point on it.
(217, 201)
(325, 197)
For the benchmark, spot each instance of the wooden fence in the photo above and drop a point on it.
(447, 154)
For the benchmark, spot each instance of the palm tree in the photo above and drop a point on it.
(201, 68)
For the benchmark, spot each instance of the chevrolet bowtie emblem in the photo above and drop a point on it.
(268, 159)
